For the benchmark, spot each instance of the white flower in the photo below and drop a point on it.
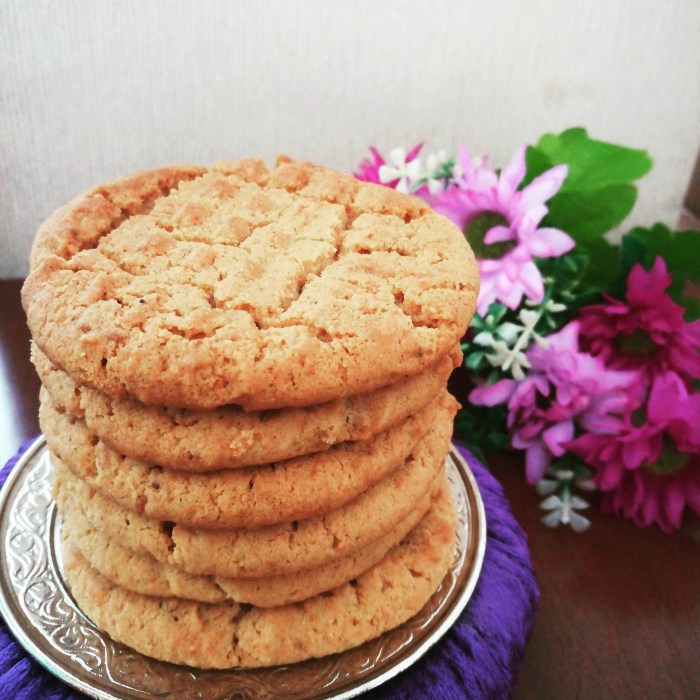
(435, 161)
(506, 358)
(530, 319)
(405, 173)
(546, 486)
(485, 338)
(586, 484)
(506, 331)
(564, 511)
(509, 331)
(433, 167)
(554, 307)
(501, 353)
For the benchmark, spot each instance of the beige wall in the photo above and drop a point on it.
(91, 90)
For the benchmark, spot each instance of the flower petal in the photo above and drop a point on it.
(557, 435)
(578, 522)
(497, 234)
(411, 155)
(494, 394)
(532, 281)
(512, 175)
(387, 173)
(552, 519)
(549, 243)
(551, 502)
(537, 459)
(578, 503)
(673, 502)
(543, 187)
(546, 486)
(398, 157)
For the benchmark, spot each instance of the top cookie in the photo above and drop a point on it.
(243, 285)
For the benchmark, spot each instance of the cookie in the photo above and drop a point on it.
(227, 635)
(229, 437)
(275, 549)
(142, 573)
(82, 222)
(264, 289)
(295, 489)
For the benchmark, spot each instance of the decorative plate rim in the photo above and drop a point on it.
(444, 607)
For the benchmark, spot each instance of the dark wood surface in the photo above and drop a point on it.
(619, 615)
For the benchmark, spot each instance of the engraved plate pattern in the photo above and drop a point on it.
(47, 621)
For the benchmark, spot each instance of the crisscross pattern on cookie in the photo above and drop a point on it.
(242, 285)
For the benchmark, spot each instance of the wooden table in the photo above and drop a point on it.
(619, 615)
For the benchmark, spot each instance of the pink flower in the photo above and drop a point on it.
(501, 223)
(470, 174)
(563, 384)
(647, 331)
(368, 170)
(650, 470)
(646, 499)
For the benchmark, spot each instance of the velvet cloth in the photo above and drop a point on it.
(480, 657)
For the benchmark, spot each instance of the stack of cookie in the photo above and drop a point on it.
(244, 395)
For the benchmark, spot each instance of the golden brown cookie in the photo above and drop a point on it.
(226, 635)
(82, 222)
(266, 289)
(295, 489)
(275, 549)
(229, 437)
(142, 573)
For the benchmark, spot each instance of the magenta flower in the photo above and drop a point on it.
(403, 169)
(501, 223)
(563, 386)
(650, 470)
(368, 169)
(646, 331)
(647, 499)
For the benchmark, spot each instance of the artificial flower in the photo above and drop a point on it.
(435, 164)
(501, 223)
(564, 510)
(616, 387)
(650, 470)
(508, 350)
(563, 385)
(563, 477)
(646, 331)
(647, 499)
(472, 173)
(369, 169)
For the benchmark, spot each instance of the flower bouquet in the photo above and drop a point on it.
(584, 353)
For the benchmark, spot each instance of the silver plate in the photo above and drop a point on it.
(41, 613)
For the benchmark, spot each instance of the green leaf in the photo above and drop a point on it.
(593, 164)
(473, 360)
(680, 250)
(589, 214)
(482, 427)
(603, 266)
(537, 162)
(692, 310)
(496, 311)
(632, 251)
(598, 192)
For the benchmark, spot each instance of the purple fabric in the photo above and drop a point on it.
(480, 657)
